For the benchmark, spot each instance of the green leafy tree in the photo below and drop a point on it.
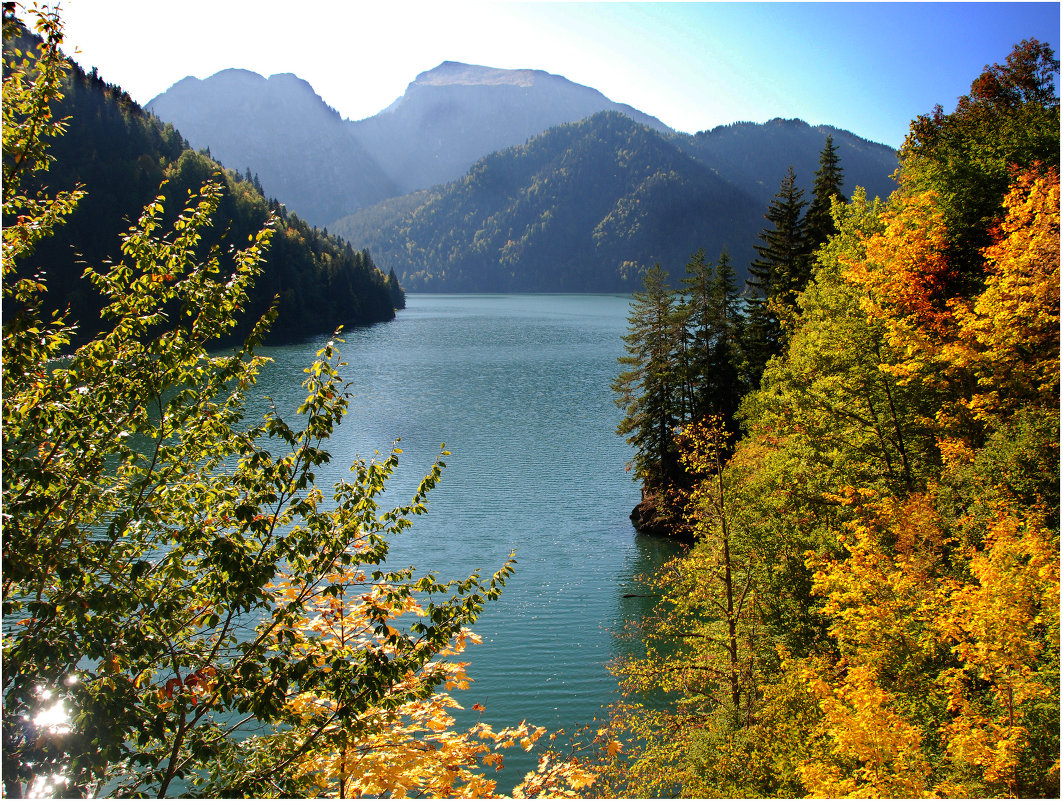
(162, 560)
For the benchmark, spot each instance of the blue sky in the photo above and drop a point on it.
(866, 67)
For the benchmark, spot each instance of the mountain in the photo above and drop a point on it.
(588, 206)
(756, 156)
(584, 207)
(120, 154)
(453, 115)
(300, 148)
(481, 179)
(325, 167)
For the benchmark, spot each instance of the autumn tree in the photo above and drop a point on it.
(896, 494)
(1009, 119)
(922, 692)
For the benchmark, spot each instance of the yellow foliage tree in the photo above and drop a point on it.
(944, 605)
(1008, 337)
(405, 744)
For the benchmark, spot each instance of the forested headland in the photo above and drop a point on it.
(120, 154)
(865, 456)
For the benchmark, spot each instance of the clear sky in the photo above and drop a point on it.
(866, 67)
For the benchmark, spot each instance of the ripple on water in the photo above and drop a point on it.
(518, 387)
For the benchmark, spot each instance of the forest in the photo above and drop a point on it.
(865, 457)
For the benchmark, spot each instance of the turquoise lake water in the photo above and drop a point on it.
(518, 387)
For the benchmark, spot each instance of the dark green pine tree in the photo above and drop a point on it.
(722, 389)
(818, 222)
(775, 278)
(696, 319)
(398, 295)
(711, 304)
(649, 391)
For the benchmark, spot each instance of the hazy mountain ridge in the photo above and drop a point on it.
(299, 146)
(120, 155)
(325, 167)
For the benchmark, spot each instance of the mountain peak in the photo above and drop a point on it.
(452, 73)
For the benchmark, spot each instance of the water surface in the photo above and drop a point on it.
(518, 388)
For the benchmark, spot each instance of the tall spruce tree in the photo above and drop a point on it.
(398, 295)
(818, 222)
(712, 317)
(650, 390)
(775, 278)
(722, 387)
(697, 319)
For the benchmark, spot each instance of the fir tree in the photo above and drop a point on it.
(712, 317)
(649, 391)
(697, 319)
(722, 388)
(776, 277)
(818, 222)
(398, 295)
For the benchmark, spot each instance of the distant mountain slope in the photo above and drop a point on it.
(301, 149)
(453, 115)
(755, 156)
(324, 167)
(583, 207)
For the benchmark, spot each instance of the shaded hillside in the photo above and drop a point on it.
(583, 207)
(121, 154)
(755, 156)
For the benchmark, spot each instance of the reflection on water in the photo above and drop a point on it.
(51, 720)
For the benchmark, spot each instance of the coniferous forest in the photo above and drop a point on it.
(859, 450)
(865, 458)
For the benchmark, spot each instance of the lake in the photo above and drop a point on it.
(518, 388)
